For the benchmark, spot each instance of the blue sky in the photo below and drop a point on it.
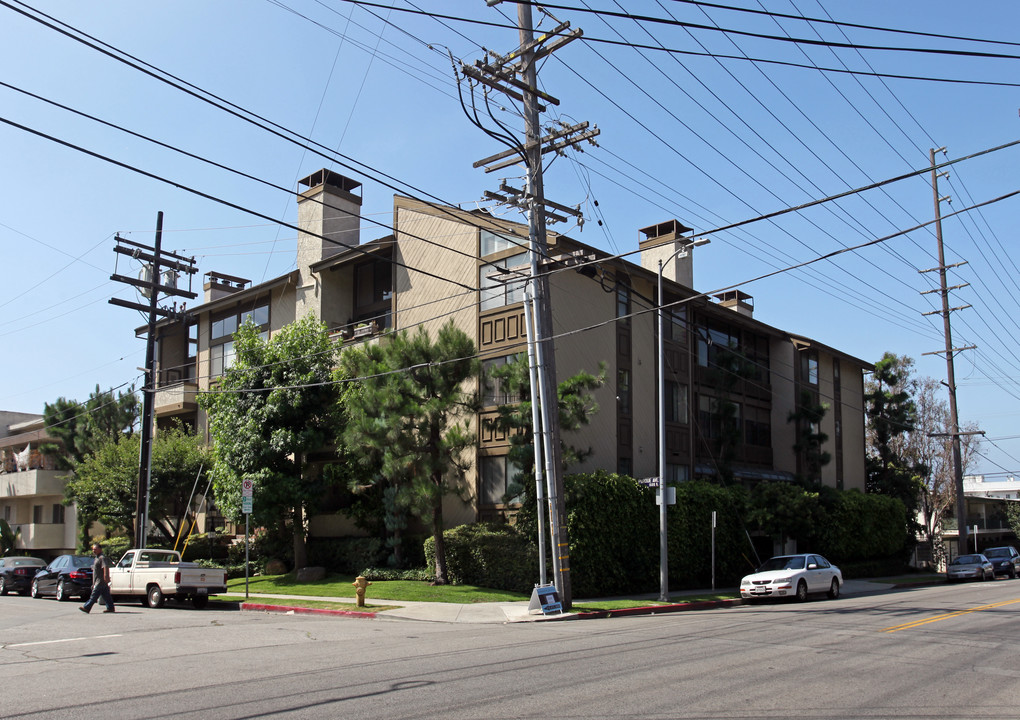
(703, 135)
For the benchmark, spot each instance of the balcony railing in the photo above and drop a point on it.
(28, 483)
(176, 399)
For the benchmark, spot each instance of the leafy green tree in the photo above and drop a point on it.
(807, 418)
(181, 461)
(576, 406)
(892, 469)
(408, 414)
(274, 406)
(105, 483)
(104, 487)
(83, 427)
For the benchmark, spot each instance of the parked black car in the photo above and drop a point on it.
(1005, 560)
(65, 577)
(16, 573)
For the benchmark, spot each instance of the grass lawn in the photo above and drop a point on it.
(342, 586)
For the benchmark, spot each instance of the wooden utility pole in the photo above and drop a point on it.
(950, 351)
(516, 76)
(151, 286)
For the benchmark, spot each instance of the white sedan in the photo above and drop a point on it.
(793, 576)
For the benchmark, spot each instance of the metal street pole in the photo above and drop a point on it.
(663, 530)
(663, 534)
(538, 429)
(543, 315)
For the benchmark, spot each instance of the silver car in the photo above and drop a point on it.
(970, 567)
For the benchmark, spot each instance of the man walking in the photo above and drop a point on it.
(100, 582)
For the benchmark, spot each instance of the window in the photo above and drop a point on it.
(623, 390)
(676, 474)
(7, 513)
(491, 243)
(58, 514)
(715, 415)
(758, 427)
(809, 366)
(622, 301)
(493, 392)
(497, 474)
(37, 514)
(373, 292)
(496, 292)
(222, 328)
(674, 321)
(624, 466)
(676, 402)
(712, 339)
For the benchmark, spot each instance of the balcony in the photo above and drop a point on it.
(44, 536)
(177, 399)
(29, 483)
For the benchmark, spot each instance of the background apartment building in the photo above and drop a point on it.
(32, 490)
(443, 263)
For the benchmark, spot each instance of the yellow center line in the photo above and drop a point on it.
(945, 616)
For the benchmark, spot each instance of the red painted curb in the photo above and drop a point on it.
(305, 611)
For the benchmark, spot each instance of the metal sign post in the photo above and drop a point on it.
(247, 487)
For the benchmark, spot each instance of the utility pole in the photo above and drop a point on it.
(950, 351)
(516, 76)
(151, 286)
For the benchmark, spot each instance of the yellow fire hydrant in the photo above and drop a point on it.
(360, 585)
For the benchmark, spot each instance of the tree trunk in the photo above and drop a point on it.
(300, 549)
(437, 536)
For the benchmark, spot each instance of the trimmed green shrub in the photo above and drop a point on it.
(487, 555)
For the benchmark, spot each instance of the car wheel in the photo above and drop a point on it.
(155, 596)
(1011, 574)
(200, 601)
(62, 591)
(35, 589)
(801, 591)
(834, 589)
(3, 586)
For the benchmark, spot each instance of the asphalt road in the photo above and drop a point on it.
(936, 652)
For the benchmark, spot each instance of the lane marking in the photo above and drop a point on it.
(946, 616)
(63, 640)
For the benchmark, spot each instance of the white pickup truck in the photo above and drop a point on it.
(155, 575)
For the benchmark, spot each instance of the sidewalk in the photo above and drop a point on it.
(483, 613)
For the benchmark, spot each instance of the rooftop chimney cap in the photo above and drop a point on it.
(669, 227)
(328, 177)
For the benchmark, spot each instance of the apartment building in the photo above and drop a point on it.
(444, 263)
(32, 490)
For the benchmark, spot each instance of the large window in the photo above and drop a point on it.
(58, 513)
(714, 415)
(715, 338)
(623, 390)
(674, 321)
(490, 243)
(809, 366)
(496, 290)
(222, 329)
(623, 302)
(758, 427)
(373, 292)
(676, 402)
(497, 475)
(494, 392)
